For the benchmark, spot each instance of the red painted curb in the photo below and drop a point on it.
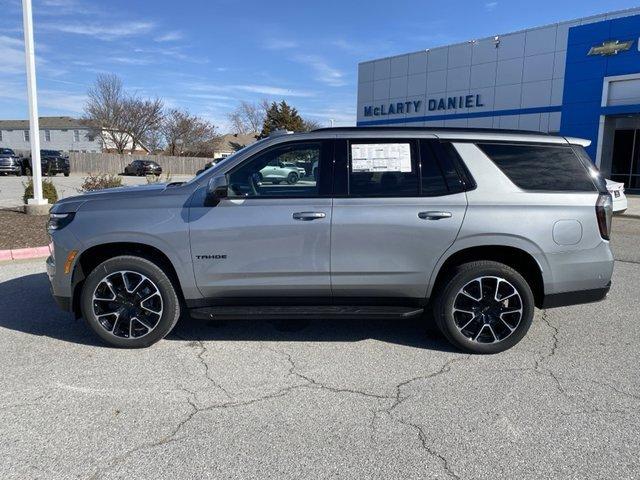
(24, 253)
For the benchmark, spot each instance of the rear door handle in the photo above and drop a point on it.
(434, 215)
(308, 216)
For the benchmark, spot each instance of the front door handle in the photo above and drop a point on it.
(434, 215)
(308, 216)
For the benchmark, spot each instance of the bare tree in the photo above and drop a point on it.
(310, 124)
(106, 111)
(143, 117)
(122, 120)
(248, 117)
(185, 133)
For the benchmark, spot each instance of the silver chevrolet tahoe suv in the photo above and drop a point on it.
(471, 228)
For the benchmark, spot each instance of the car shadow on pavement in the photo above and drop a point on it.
(415, 332)
(26, 305)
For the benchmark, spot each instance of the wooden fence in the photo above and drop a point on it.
(114, 163)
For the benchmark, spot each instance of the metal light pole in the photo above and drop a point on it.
(34, 127)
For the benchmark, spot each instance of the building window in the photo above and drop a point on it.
(76, 135)
(47, 135)
(26, 135)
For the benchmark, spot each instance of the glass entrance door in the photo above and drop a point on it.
(625, 165)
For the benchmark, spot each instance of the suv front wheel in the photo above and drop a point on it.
(129, 302)
(484, 307)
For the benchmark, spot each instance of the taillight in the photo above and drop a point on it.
(604, 212)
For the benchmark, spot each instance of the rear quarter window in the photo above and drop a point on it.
(540, 167)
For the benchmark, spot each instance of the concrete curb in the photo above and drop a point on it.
(24, 253)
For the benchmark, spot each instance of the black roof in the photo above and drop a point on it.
(430, 129)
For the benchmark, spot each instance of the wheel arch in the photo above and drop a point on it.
(517, 258)
(96, 254)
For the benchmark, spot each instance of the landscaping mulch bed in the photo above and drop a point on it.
(18, 230)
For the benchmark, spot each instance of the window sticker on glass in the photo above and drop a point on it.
(381, 157)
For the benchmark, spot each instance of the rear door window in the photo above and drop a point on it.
(381, 168)
(540, 167)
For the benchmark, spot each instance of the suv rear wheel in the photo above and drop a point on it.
(129, 302)
(484, 307)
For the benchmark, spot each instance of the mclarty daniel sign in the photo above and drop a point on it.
(417, 106)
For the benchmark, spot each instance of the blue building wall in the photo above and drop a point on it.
(584, 75)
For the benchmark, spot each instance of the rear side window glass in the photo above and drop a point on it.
(597, 177)
(433, 182)
(445, 156)
(383, 169)
(540, 167)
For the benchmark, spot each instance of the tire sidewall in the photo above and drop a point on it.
(170, 301)
(444, 305)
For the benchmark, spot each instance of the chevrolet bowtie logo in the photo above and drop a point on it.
(611, 47)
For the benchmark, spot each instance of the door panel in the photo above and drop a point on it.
(381, 247)
(266, 251)
(267, 239)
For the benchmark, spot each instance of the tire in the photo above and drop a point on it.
(147, 282)
(292, 178)
(496, 325)
(18, 174)
(66, 174)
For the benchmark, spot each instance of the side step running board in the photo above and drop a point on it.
(306, 312)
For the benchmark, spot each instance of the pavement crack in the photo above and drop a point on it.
(538, 368)
(430, 450)
(398, 399)
(311, 382)
(207, 372)
(617, 390)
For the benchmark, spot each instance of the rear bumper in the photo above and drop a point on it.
(575, 298)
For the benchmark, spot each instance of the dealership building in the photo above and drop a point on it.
(578, 78)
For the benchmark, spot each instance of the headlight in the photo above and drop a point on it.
(59, 220)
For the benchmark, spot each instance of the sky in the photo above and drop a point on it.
(208, 55)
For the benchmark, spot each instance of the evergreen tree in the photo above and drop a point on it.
(281, 116)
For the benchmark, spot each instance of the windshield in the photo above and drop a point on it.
(50, 152)
(225, 160)
(6, 151)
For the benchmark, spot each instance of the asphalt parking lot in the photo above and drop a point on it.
(319, 399)
(12, 188)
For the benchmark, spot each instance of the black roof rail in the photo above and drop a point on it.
(431, 129)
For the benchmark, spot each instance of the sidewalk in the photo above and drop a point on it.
(633, 207)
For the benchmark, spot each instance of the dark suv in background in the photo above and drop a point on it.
(10, 162)
(143, 167)
(51, 162)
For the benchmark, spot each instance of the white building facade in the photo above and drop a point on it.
(577, 78)
(56, 133)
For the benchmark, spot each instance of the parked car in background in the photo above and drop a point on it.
(143, 167)
(616, 189)
(400, 223)
(277, 172)
(51, 163)
(10, 162)
(301, 170)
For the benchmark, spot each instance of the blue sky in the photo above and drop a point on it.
(206, 56)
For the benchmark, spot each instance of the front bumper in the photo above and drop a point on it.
(10, 168)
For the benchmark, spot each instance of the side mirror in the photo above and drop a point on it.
(217, 189)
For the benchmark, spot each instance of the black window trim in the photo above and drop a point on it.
(325, 157)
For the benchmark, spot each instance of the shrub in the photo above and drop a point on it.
(100, 181)
(48, 191)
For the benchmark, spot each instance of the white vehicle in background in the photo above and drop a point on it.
(616, 189)
(301, 171)
(276, 172)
